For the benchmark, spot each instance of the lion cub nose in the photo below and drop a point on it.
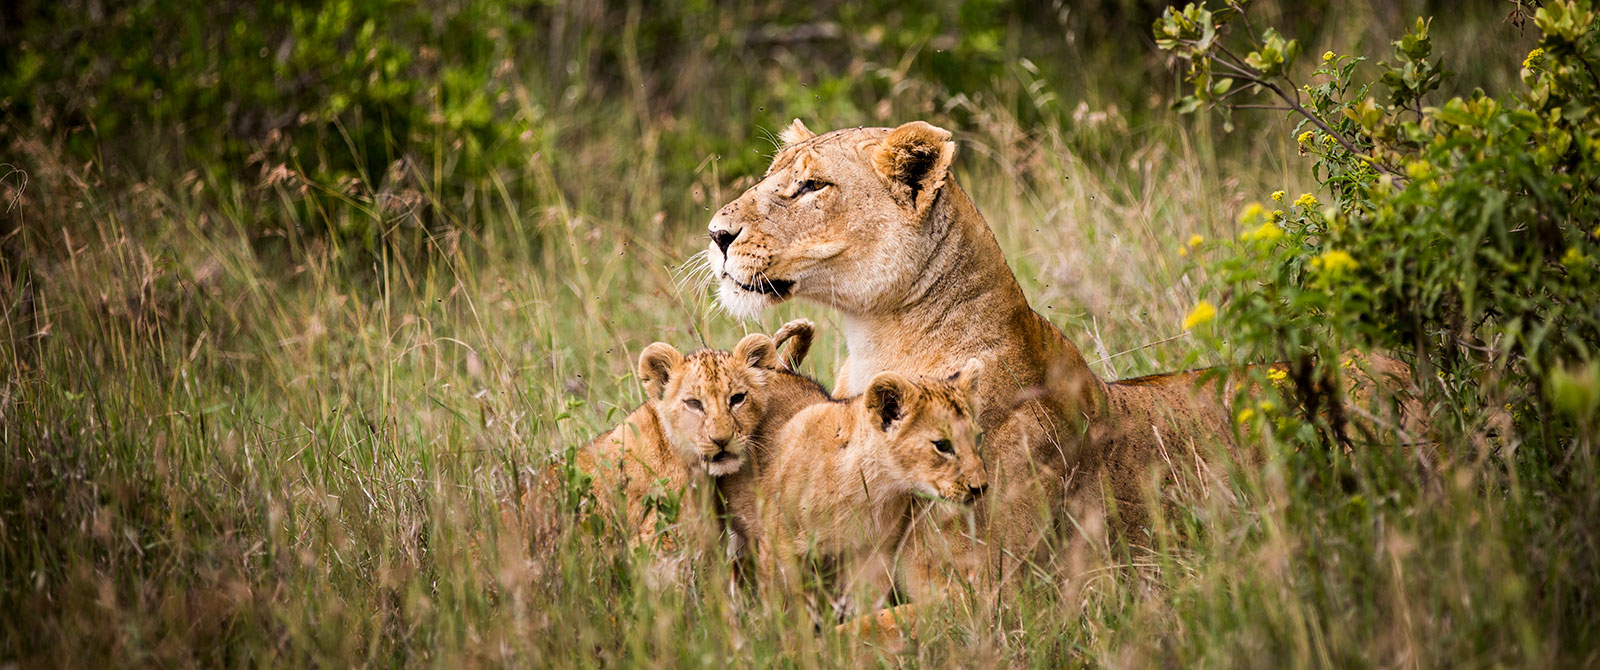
(975, 491)
(724, 239)
(720, 442)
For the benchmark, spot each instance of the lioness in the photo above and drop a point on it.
(870, 222)
(845, 474)
(706, 415)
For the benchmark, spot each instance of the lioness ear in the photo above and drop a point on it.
(915, 159)
(796, 133)
(756, 350)
(657, 363)
(797, 334)
(886, 399)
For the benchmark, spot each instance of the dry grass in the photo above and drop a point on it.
(224, 448)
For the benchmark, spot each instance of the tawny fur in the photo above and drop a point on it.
(900, 250)
(846, 475)
(705, 454)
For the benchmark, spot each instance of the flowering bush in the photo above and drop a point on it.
(1460, 233)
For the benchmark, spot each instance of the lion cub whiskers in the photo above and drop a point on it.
(704, 413)
(846, 473)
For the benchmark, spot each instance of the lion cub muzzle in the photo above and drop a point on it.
(722, 456)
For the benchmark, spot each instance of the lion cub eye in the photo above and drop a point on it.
(735, 399)
(694, 404)
(810, 186)
(944, 446)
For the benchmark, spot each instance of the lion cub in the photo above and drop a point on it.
(705, 412)
(846, 473)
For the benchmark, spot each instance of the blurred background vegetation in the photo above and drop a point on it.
(369, 102)
(299, 296)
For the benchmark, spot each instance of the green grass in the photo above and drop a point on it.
(224, 446)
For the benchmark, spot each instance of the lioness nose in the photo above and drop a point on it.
(723, 239)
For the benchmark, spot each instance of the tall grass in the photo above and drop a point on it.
(226, 444)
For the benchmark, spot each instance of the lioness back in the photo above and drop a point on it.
(1176, 422)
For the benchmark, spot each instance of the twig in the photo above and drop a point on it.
(1141, 347)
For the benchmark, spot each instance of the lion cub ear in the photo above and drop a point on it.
(797, 334)
(657, 364)
(796, 133)
(915, 159)
(967, 381)
(757, 351)
(887, 399)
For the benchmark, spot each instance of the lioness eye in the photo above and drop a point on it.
(809, 186)
(735, 399)
(693, 404)
(944, 446)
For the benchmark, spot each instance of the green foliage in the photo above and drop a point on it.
(1463, 231)
(244, 425)
(378, 120)
(1460, 234)
(339, 91)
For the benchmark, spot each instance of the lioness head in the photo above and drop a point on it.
(842, 218)
(930, 431)
(709, 400)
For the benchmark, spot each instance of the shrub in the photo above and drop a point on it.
(1463, 231)
(1459, 233)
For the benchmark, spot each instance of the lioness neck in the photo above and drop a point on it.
(966, 303)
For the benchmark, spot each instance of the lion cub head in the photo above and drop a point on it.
(708, 401)
(928, 432)
(842, 218)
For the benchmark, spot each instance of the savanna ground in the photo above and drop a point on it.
(290, 329)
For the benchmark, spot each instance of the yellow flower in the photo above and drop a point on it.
(1305, 137)
(1277, 374)
(1196, 240)
(1203, 311)
(1244, 415)
(1277, 214)
(1277, 196)
(1268, 232)
(1533, 56)
(1305, 201)
(1334, 262)
(1252, 213)
(1574, 257)
(1267, 406)
(1183, 251)
(1327, 56)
